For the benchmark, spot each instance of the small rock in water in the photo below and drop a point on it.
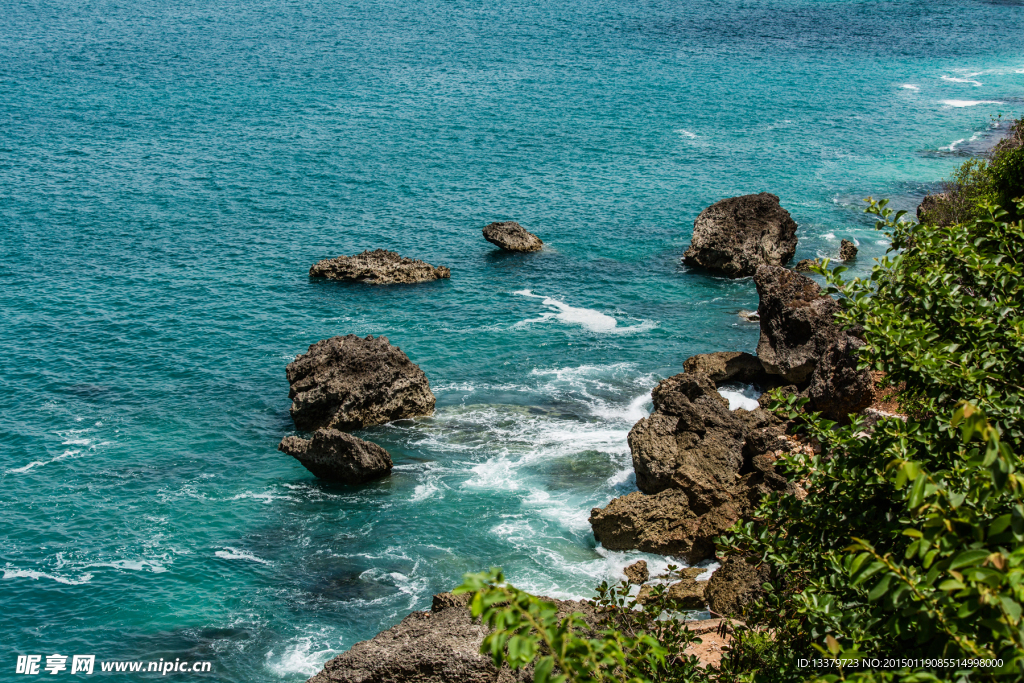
(511, 236)
(380, 267)
(847, 250)
(750, 316)
(637, 572)
(806, 264)
(337, 456)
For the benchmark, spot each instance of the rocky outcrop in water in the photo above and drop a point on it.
(511, 236)
(847, 250)
(797, 323)
(439, 646)
(736, 584)
(637, 572)
(662, 523)
(805, 265)
(802, 343)
(351, 382)
(379, 267)
(337, 456)
(699, 467)
(728, 366)
(736, 235)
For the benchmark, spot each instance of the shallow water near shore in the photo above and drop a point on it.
(169, 172)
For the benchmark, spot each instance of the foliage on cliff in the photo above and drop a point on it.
(909, 544)
(998, 179)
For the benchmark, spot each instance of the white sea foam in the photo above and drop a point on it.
(636, 410)
(968, 103)
(829, 236)
(264, 496)
(40, 463)
(910, 86)
(229, 553)
(952, 145)
(305, 655)
(965, 79)
(740, 396)
(685, 133)
(425, 491)
(587, 318)
(132, 565)
(12, 573)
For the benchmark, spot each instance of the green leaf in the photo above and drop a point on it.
(968, 558)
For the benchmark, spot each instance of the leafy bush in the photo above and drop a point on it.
(1007, 173)
(628, 643)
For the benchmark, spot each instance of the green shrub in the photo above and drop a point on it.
(1007, 174)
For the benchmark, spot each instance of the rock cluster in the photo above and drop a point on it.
(379, 267)
(736, 235)
(350, 382)
(699, 467)
(336, 456)
(511, 236)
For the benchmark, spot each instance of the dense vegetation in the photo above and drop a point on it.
(910, 542)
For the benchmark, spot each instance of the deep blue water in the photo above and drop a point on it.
(169, 171)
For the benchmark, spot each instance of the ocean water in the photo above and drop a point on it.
(170, 170)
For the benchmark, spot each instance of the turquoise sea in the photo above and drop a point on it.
(170, 170)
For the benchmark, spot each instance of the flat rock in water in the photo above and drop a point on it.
(352, 382)
(336, 456)
(380, 267)
(511, 236)
(736, 235)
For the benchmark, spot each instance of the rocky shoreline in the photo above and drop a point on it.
(700, 466)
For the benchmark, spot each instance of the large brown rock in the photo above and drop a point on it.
(677, 523)
(337, 456)
(352, 382)
(691, 440)
(699, 467)
(511, 236)
(379, 267)
(662, 523)
(802, 343)
(736, 235)
(439, 646)
(837, 388)
(797, 323)
(735, 585)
